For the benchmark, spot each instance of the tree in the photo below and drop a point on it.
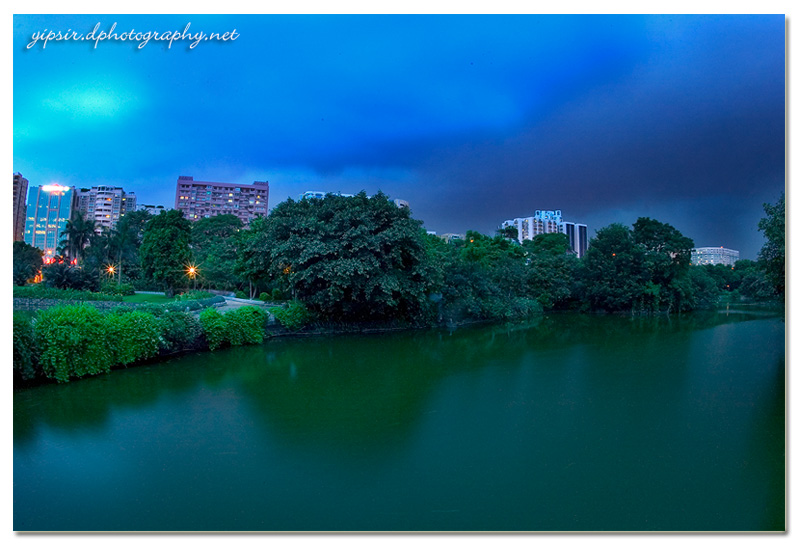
(130, 232)
(773, 254)
(509, 232)
(77, 235)
(214, 246)
(164, 254)
(27, 262)
(547, 243)
(551, 269)
(347, 258)
(614, 271)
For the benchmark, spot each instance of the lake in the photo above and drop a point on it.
(565, 423)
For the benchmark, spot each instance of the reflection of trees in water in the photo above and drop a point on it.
(85, 404)
(352, 392)
(767, 444)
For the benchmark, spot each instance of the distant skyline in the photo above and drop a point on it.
(472, 119)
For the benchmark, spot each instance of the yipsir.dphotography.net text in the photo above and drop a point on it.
(141, 38)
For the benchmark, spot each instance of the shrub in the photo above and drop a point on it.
(214, 328)
(246, 325)
(25, 365)
(179, 330)
(192, 295)
(67, 294)
(62, 275)
(293, 316)
(241, 295)
(132, 336)
(277, 294)
(117, 289)
(264, 296)
(71, 342)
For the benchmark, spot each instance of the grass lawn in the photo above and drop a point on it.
(147, 298)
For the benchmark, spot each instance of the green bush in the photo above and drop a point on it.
(71, 342)
(132, 336)
(294, 316)
(192, 295)
(277, 294)
(241, 295)
(40, 291)
(25, 365)
(265, 296)
(179, 331)
(214, 328)
(117, 289)
(246, 325)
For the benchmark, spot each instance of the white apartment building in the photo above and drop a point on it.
(714, 256)
(104, 204)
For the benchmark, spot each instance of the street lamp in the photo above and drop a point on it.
(191, 270)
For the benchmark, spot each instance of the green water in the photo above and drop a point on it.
(569, 423)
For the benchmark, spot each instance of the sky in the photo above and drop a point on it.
(473, 119)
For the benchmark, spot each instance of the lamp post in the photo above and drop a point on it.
(192, 272)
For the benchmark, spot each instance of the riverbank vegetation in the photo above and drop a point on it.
(341, 262)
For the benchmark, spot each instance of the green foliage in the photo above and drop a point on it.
(214, 244)
(265, 296)
(244, 325)
(772, 256)
(39, 291)
(193, 295)
(132, 336)
(115, 288)
(78, 233)
(239, 294)
(72, 342)
(214, 328)
(25, 362)
(641, 270)
(27, 262)
(348, 258)
(547, 244)
(65, 276)
(164, 252)
(179, 331)
(295, 315)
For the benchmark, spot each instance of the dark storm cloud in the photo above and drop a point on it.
(474, 119)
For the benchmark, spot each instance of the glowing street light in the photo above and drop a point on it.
(191, 270)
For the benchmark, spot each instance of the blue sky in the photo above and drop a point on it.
(472, 119)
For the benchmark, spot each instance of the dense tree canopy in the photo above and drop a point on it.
(773, 253)
(77, 235)
(214, 246)
(164, 253)
(27, 262)
(347, 258)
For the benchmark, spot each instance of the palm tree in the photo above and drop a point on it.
(79, 233)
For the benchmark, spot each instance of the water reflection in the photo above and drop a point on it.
(567, 423)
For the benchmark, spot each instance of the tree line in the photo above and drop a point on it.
(361, 258)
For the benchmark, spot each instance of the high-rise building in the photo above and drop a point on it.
(20, 192)
(714, 256)
(543, 221)
(48, 210)
(105, 204)
(578, 236)
(200, 200)
(551, 221)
